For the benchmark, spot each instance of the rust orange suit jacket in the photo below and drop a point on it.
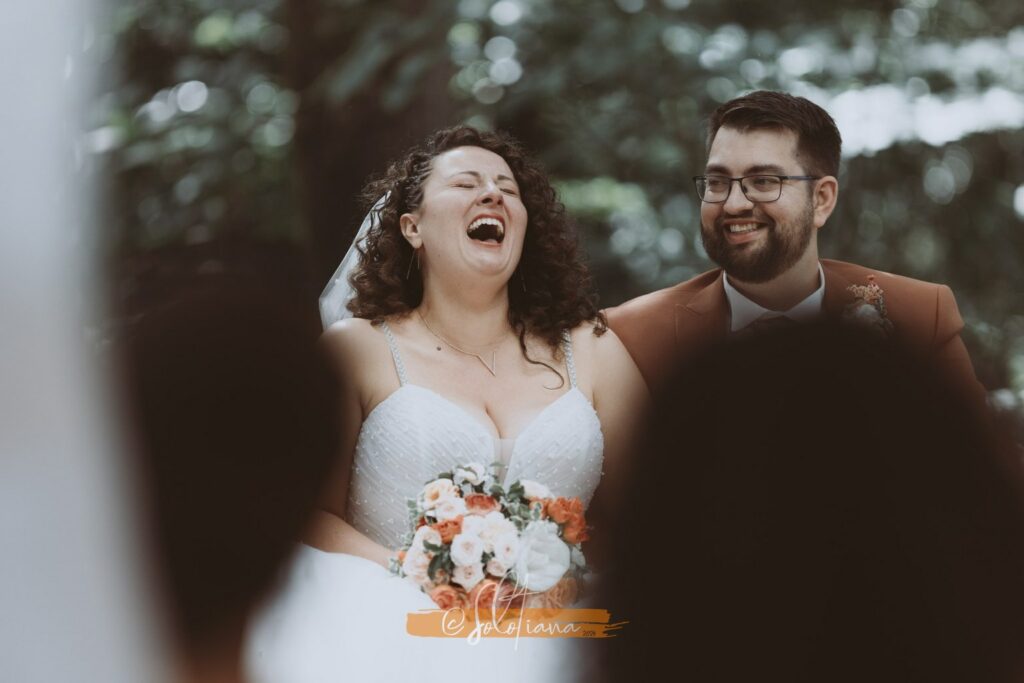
(670, 326)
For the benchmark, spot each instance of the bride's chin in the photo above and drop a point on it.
(498, 271)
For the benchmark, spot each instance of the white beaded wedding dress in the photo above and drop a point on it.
(340, 618)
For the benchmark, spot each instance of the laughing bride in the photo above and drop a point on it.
(467, 332)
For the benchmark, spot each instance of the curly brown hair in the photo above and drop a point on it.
(556, 291)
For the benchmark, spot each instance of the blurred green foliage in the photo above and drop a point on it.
(261, 120)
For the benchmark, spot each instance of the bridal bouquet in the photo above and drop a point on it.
(475, 544)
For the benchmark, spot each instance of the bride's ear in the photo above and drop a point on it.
(410, 230)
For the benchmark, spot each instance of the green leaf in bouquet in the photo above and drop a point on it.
(430, 547)
(441, 562)
(517, 491)
(436, 565)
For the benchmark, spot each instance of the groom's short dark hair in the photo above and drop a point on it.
(818, 139)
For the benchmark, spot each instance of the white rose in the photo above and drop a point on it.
(867, 313)
(495, 525)
(468, 576)
(424, 534)
(415, 566)
(577, 557)
(449, 508)
(473, 525)
(533, 489)
(436, 491)
(543, 556)
(466, 550)
(495, 568)
(506, 548)
(473, 474)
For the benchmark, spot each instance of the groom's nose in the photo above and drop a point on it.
(737, 202)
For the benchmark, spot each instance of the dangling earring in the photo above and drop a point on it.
(414, 257)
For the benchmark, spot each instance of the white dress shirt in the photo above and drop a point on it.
(743, 311)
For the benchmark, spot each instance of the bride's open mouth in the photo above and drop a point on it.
(487, 229)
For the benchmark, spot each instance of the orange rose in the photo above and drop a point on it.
(561, 510)
(490, 594)
(447, 597)
(559, 596)
(401, 556)
(481, 504)
(575, 530)
(448, 529)
(483, 594)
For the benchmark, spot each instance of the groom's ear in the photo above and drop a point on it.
(826, 193)
(410, 230)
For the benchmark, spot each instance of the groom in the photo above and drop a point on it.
(768, 186)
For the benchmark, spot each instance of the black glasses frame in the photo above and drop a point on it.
(697, 179)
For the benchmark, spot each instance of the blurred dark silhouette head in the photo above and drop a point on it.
(815, 506)
(236, 413)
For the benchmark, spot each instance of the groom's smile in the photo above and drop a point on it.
(743, 230)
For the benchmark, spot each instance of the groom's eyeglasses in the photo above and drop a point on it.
(714, 189)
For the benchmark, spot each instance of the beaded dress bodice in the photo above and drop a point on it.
(415, 433)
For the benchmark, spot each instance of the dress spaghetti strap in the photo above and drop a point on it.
(570, 364)
(399, 365)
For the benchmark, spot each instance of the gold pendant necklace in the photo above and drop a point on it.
(490, 368)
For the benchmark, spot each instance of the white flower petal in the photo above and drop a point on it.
(543, 556)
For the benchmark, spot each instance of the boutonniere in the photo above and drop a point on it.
(867, 310)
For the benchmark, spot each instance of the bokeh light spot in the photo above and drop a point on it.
(214, 30)
(681, 40)
(500, 47)
(1018, 201)
(630, 6)
(505, 71)
(191, 96)
(506, 12)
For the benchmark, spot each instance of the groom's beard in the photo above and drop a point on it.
(781, 247)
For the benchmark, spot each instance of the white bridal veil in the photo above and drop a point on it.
(338, 293)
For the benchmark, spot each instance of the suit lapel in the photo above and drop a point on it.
(836, 294)
(702, 321)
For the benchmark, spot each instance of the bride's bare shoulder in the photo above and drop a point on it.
(590, 340)
(349, 331)
(354, 341)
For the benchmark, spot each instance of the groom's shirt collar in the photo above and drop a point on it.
(744, 311)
